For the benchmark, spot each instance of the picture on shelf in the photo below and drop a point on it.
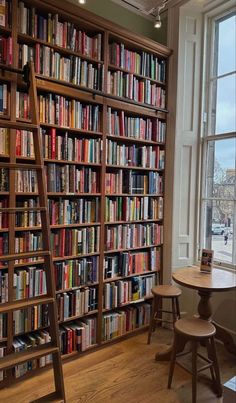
(207, 260)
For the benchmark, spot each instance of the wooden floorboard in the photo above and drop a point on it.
(125, 372)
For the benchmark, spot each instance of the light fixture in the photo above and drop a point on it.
(82, 1)
(157, 23)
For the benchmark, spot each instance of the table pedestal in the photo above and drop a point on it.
(205, 313)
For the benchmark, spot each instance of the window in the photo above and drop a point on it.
(218, 204)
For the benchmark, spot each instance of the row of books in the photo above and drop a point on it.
(78, 211)
(3, 215)
(133, 236)
(71, 242)
(3, 99)
(121, 292)
(120, 124)
(50, 29)
(128, 263)
(28, 218)
(58, 110)
(5, 13)
(79, 179)
(3, 325)
(143, 63)
(70, 148)
(26, 181)
(72, 69)
(78, 150)
(3, 244)
(4, 141)
(32, 318)
(27, 342)
(128, 86)
(133, 209)
(28, 283)
(70, 179)
(78, 336)
(28, 241)
(135, 155)
(123, 321)
(75, 273)
(76, 303)
(133, 182)
(5, 49)
(3, 287)
(4, 182)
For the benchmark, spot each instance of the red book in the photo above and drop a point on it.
(53, 143)
(62, 242)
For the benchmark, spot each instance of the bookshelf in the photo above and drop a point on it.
(104, 153)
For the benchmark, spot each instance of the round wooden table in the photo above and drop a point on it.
(205, 283)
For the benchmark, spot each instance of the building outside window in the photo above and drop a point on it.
(218, 201)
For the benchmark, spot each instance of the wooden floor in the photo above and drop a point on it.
(125, 372)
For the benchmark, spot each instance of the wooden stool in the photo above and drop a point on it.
(196, 331)
(159, 292)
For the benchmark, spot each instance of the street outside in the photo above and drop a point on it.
(222, 252)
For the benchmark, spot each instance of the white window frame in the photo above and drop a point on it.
(206, 137)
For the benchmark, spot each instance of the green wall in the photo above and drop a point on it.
(127, 19)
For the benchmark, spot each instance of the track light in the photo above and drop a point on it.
(157, 23)
(82, 1)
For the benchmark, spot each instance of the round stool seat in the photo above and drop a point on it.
(195, 328)
(166, 291)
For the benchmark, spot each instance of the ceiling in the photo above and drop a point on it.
(144, 7)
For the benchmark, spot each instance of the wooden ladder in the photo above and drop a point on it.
(12, 359)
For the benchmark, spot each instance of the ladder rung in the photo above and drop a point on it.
(9, 165)
(11, 360)
(17, 125)
(21, 209)
(16, 305)
(25, 255)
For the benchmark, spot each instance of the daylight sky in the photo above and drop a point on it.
(226, 92)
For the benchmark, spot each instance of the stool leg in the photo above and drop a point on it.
(209, 354)
(216, 367)
(194, 372)
(152, 319)
(173, 311)
(172, 361)
(177, 307)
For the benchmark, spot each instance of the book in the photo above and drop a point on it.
(206, 260)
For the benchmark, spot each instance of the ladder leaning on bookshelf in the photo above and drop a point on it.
(51, 348)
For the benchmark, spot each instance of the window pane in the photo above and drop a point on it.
(223, 114)
(226, 45)
(220, 178)
(219, 231)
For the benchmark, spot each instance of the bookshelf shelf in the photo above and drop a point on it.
(107, 182)
(116, 68)
(79, 316)
(77, 288)
(109, 166)
(130, 249)
(108, 280)
(131, 221)
(127, 139)
(24, 38)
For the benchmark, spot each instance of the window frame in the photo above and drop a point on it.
(206, 123)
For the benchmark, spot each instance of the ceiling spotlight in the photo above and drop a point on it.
(157, 23)
(82, 1)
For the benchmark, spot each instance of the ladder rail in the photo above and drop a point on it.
(50, 297)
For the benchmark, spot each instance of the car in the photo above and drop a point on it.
(217, 229)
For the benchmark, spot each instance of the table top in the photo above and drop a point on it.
(217, 280)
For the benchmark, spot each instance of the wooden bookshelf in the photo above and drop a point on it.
(148, 114)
